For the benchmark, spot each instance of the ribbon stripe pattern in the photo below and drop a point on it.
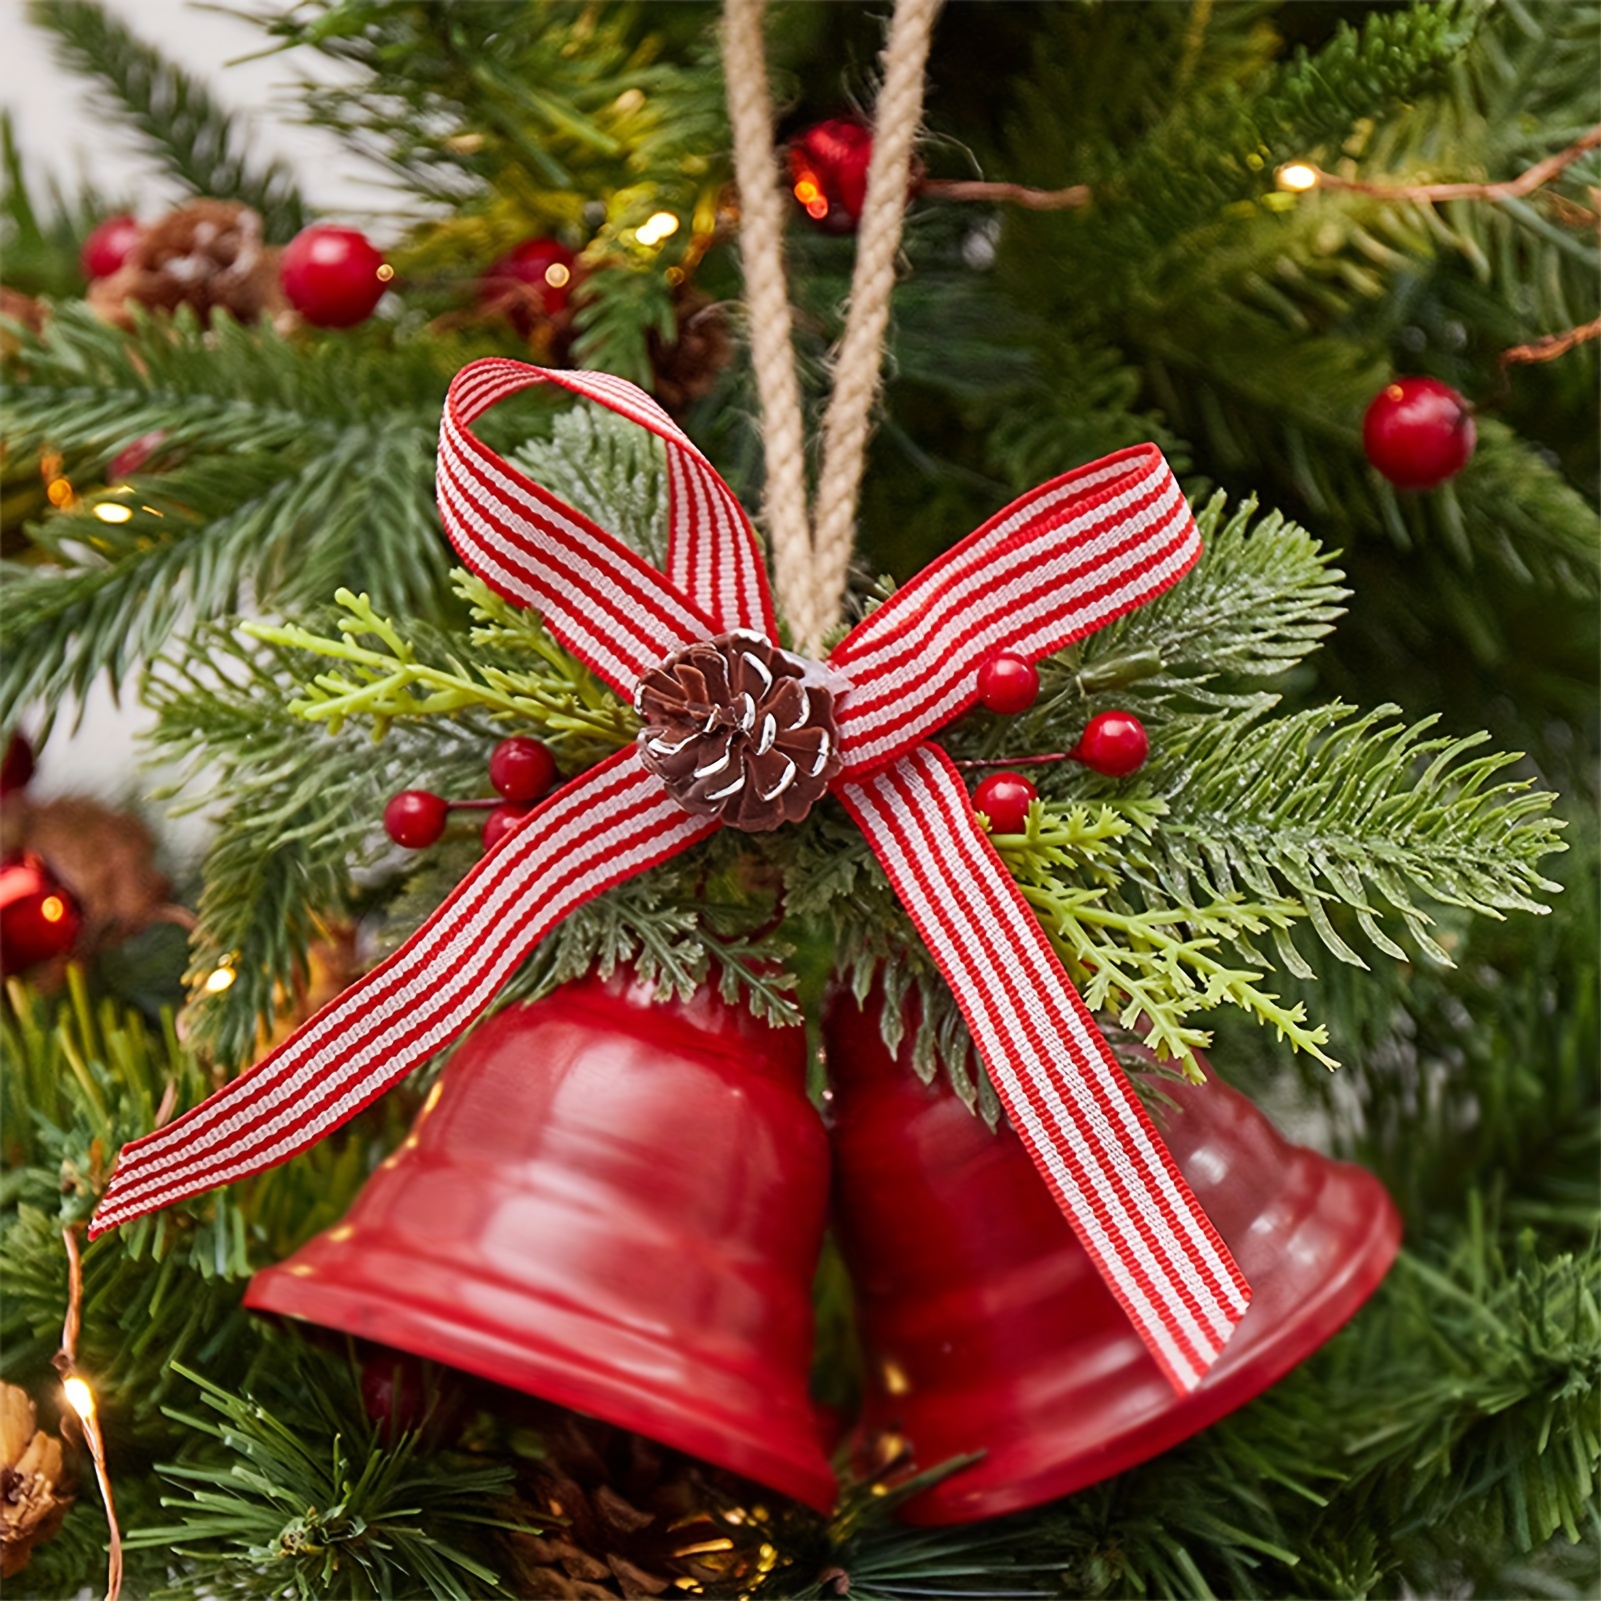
(1058, 563)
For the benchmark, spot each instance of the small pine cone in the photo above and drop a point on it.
(105, 857)
(33, 1494)
(687, 369)
(741, 730)
(209, 255)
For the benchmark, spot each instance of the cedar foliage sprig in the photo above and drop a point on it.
(177, 119)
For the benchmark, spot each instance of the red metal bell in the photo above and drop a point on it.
(985, 1323)
(614, 1203)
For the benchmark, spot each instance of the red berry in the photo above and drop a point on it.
(828, 171)
(500, 822)
(530, 281)
(416, 818)
(1418, 432)
(39, 919)
(1114, 744)
(108, 245)
(17, 766)
(332, 276)
(522, 769)
(1005, 799)
(1008, 684)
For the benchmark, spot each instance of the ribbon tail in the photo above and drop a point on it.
(1093, 1143)
(610, 823)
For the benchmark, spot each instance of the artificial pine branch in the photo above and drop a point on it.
(179, 122)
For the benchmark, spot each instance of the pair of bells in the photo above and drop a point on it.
(617, 1203)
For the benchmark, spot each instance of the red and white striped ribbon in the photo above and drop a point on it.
(610, 823)
(1061, 561)
(1064, 1093)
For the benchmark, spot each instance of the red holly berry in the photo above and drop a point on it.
(1418, 432)
(1114, 744)
(1008, 684)
(500, 822)
(828, 169)
(332, 276)
(108, 245)
(39, 919)
(1005, 799)
(522, 769)
(416, 818)
(17, 767)
(530, 281)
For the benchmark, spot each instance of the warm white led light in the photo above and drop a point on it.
(80, 1397)
(1298, 176)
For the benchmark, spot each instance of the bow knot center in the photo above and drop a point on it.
(740, 730)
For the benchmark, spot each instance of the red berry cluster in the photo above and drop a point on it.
(828, 172)
(522, 771)
(1113, 743)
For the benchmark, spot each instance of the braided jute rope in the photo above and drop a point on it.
(857, 365)
(761, 239)
(810, 572)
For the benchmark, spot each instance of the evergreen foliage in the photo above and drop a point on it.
(176, 118)
(1277, 843)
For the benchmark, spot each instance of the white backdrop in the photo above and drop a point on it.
(62, 132)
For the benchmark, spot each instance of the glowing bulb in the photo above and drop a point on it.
(113, 514)
(219, 979)
(385, 273)
(79, 1396)
(52, 908)
(557, 276)
(59, 492)
(817, 209)
(806, 191)
(663, 225)
(1297, 175)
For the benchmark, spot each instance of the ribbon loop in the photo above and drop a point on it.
(1092, 1141)
(1058, 563)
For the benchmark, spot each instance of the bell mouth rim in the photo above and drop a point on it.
(553, 1371)
(998, 1484)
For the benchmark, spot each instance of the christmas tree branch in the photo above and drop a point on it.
(179, 122)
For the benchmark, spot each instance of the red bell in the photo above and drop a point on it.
(987, 1327)
(612, 1202)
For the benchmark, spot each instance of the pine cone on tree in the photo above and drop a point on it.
(106, 858)
(627, 1517)
(687, 369)
(210, 255)
(34, 1496)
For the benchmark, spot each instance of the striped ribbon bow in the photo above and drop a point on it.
(1060, 562)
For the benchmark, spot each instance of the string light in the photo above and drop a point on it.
(111, 513)
(59, 492)
(385, 273)
(79, 1396)
(812, 198)
(557, 275)
(1297, 176)
(219, 979)
(663, 225)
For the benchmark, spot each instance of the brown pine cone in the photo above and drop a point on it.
(627, 1517)
(209, 255)
(33, 1495)
(687, 369)
(741, 730)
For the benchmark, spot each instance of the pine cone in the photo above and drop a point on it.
(627, 1517)
(209, 255)
(740, 730)
(105, 857)
(33, 1495)
(686, 370)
